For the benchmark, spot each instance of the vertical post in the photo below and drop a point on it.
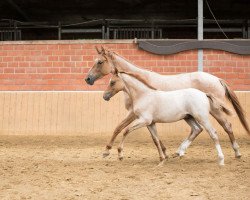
(108, 33)
(59, 31)
(15, 30)
(200, 34)
(103, 32)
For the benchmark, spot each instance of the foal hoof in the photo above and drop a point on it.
(105, 154)
(221, 162)
(238, 156)
(175, 155)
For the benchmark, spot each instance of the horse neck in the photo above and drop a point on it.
(126, 66)
(134, 87)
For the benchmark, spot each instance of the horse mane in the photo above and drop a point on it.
(135, 75)
(139, 78)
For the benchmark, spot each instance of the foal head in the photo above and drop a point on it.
(115, 86)
(100, 68)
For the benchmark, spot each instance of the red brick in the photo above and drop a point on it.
(35, 64)
(9, 70)
(53, 58)
(69, 64)
(76, 58)
(23, 64)
(180, 57)
(231, 75)
(7, 59)
(75, 46)
(64, 58)
(19, 58)
(57, 64)
(13, 64)
(8, 47)
(76, 70)
(65, 70)
(64, 46)
(237, 69)
(30, 70)
(181, 69)
(53, 70)
(19, 70)
(214, 69)
(81, 64)
(87, 58)
(3, 64)
(42, 70)
(242, 64)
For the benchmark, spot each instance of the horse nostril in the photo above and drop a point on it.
(87, 80)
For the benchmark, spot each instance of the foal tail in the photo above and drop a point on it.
(231, 96)
(216, 105)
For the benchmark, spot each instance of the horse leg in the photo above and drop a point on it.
(161, 148)
(227, 126)
(196, 129)
(137, 123)
(212, 132)
(161, 143)
(129, 118)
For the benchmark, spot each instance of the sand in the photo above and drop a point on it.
(72, 167)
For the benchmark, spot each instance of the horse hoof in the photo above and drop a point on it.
(238, 156)
(175, 155)
(120, 158)
(221, 162)
(105, 154)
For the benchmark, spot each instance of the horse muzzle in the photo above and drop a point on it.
(90, 80)
(107, 96)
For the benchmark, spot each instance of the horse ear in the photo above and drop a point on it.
(97, 50)
(102, 50)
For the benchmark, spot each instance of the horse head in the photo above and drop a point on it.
(115, 85)
(100, 68)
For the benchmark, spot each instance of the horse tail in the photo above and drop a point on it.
(231, 96)
(216, 105)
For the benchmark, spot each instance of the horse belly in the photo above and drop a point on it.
(169, 115)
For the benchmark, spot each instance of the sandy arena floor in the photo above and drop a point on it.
(51, 167)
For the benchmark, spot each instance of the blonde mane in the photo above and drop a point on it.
(135, 75)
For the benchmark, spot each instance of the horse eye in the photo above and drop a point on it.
(100, 62)
(112, 83)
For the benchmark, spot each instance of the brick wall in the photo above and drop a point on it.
(62, 65)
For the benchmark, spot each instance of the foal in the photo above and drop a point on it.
(151, 106)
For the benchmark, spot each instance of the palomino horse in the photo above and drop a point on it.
(199, 80)
(152, 106)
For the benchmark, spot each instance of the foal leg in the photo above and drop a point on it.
(161, 148)
(137, 123)
(196, 129)
(227, 126)
(162, 145)
(129, 118)
(212, 132)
